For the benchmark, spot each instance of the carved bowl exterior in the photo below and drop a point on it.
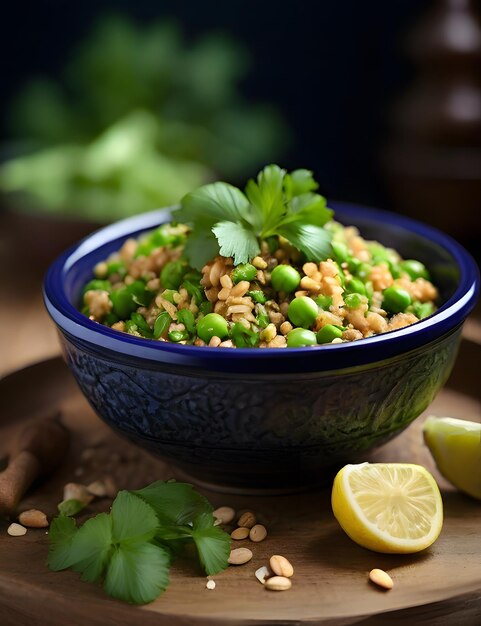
(250, 419)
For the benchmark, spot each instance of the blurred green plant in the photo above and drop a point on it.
(138, 120)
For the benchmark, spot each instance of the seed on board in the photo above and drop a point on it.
(381, 578)
(225, 514)
(263, 573)
(258, 533)
(240, 533)
(278, 583)
(15, 530)
(210, 584)
(239, 556)
(33, 518)
(247, 519)
(281, 566)
(76, 491)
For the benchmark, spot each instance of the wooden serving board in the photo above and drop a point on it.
(330, 583)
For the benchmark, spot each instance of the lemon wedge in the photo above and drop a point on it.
(388, 507)
(456, 447)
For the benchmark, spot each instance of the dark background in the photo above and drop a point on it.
(332, 68)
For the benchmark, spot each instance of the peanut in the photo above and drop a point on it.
(258, 533)
(225, 514)
(97, 488)
(262, 574)
(240, 533)
(381, 578)
(239, 556)
(281, 566)
(278, 583)
(210, 584)
(15, 530)
(33, 518)
(76, 491)
(247, 519)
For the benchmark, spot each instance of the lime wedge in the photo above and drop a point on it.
(456, 447)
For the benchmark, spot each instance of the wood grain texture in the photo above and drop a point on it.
(330, 584)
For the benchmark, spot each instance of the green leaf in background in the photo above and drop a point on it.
(138, 119)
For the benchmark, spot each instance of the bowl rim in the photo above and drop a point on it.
(76, 325)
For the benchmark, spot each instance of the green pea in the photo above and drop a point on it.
(161, 324)
(422, 309)
(324, 302)
(97, 284)
(356, 286)
(395, 299)
(285, 278)
(212, 325)
(414, 269)
(353, 264)
(172, 274)
(363, 271)
(340, 250)
(395, 269)
(327, 333)
(116, 267)
(258, 296)
(353, 300)
(302, 311)
(122, 303)
(299, 337)
(245, 271)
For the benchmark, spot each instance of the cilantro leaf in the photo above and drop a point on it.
(237, 241)
(298, 182)
(201, 246)
(132, 518)
(267, 197)
(91, 547)
(212, 543)
(314, 241)
(174, 503)
(61, 534)
(137, 572)
(217, 201)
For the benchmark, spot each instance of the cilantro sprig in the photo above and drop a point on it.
(224, 220)
(131, 548)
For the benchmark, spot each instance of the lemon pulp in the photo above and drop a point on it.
(456, 447)
(388, 507)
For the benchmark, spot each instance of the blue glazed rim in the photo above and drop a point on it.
(101, 340)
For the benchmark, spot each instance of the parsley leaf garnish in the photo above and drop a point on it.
(131, 548)
(226, 221)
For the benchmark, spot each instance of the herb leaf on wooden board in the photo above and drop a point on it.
(131, 548)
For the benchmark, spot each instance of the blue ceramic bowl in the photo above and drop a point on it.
(265, 419)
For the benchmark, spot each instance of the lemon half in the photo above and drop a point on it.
(456, 447)
(388, 507)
